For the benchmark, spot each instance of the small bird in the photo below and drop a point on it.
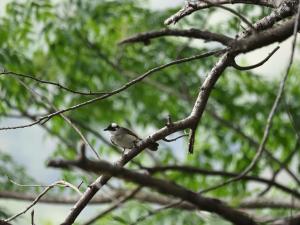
(125, 138)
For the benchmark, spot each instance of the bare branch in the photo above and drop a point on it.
(189, 170)
(285, 163)
(99, 199)
(50, 83)
(238, 67)
(174, 139)
(248, 204)
(263, 203)
(36, 200)
(244, 19)
(192, 140)
(165, 187)
(190, 8)
(253, 142)
(190, 33)
(32, 217)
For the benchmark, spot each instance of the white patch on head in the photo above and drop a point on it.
(114, 125)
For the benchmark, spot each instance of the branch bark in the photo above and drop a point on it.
(192, 170)
(189, 8)
(165, 187)
(190, 33)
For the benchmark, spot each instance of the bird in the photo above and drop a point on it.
(125, 138)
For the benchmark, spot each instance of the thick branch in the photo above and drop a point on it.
(193, 170)
(190, 33)
(165, 187)
(263, 203)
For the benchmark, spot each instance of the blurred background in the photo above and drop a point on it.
(75, 43)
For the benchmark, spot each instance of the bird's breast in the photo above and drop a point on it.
(124, 140)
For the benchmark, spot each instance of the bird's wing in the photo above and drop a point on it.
(131, 133)
(111, 140)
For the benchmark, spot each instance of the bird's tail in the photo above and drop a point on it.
(153, 147)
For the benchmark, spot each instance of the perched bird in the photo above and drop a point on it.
(125, 138)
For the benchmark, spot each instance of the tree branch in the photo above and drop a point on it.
(44, 119)
(263, 203)
(190, 33)
(50, 83)
(238, 67)
(99, 199)
(36, 200)
(285, 162)
(193, 170)
(190, 8)
(244, 19)
(165, 187)
(254, 143)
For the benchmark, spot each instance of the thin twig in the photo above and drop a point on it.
(50, 83)
(61, 183)
(290, 156)
(57, 183)
(192, 140)
(244, 19)
(190, 8)
(238, 67)
(190, 170)
(116, 91)
(285, 162)
(36, 94)
(32, 217)
(174, 139)
(252, 142)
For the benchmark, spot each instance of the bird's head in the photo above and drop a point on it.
(112, 127)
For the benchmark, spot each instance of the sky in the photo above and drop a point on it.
(24, 143)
